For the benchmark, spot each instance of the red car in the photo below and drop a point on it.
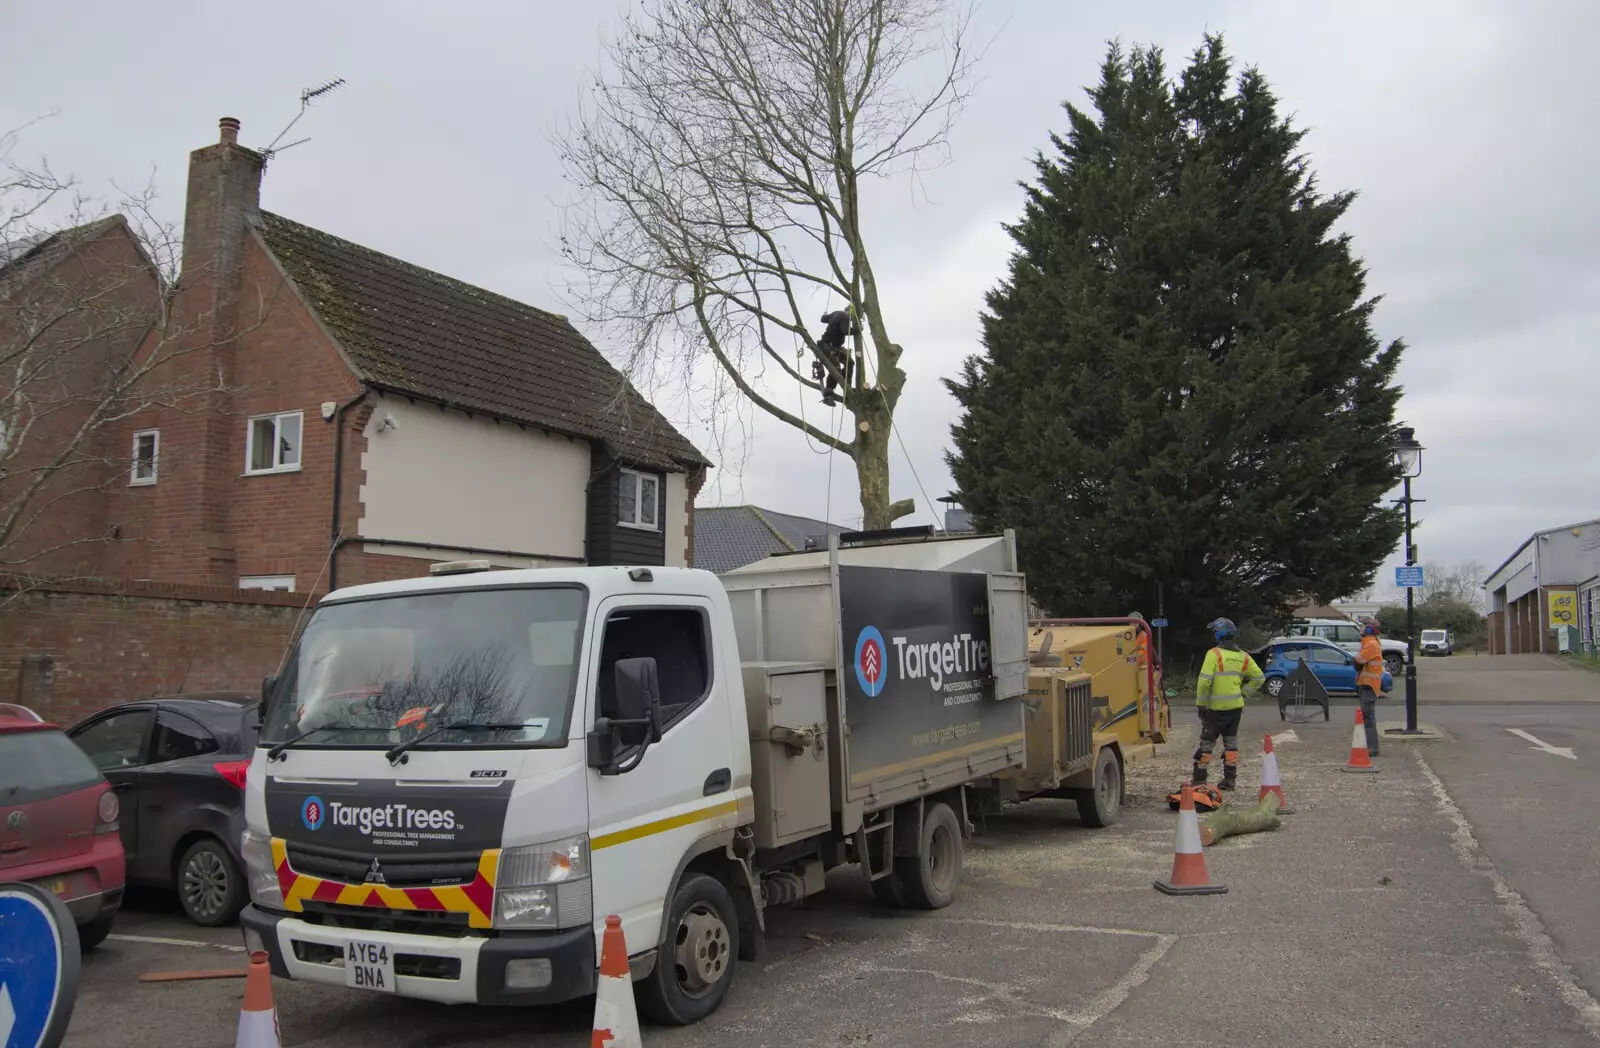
(58, 822)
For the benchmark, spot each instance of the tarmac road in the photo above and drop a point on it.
(1373, 916)
(1533, 812)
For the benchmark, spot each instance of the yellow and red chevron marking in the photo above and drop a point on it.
(475, 899)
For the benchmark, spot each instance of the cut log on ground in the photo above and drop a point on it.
(1228, 822)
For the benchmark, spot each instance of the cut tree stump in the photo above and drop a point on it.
(1228, 822)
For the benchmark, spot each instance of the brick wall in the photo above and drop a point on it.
(71, 649)
(205, 521)
(696, 482)
(76, 321)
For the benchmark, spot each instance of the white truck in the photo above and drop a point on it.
(460, 776)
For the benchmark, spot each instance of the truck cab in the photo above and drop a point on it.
(441, 792)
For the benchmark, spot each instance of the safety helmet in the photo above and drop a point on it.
(1222, 629)
(1370, 628)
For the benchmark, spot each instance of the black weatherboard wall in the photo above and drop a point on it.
(610, 542)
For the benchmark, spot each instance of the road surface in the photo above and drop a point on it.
(1446, 900)
(1533, 811)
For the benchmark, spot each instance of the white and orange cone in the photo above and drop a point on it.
(1189, 876)
(1360, 760)
(1270, 783)
(258, 1019)
(616, 1020)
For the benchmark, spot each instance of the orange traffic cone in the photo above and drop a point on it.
(616, 1021)
(1189, 875)
(1360, 760)
(1270, 783)
(258, 1019)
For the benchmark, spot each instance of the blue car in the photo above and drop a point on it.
(1334, 667)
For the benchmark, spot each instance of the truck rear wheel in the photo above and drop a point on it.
(929, 878)
(1101, 805)
(694, 966)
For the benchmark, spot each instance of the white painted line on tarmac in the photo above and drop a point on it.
(1114, 995)
(1034, 926)
(1540, 744)
(1524, 922)
(160, 941)
(1075, 1021)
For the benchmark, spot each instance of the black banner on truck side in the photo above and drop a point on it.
(378, 817)
(917, 676)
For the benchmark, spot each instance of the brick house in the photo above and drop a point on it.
(74, 305)
(369, 417)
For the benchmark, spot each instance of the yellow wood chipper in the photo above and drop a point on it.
(1094, 706)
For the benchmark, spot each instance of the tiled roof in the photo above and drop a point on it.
(24, 256)
(728, 537)
(410, 330)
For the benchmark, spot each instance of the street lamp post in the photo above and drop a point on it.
(1408, 456)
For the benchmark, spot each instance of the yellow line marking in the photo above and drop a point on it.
(648, 829)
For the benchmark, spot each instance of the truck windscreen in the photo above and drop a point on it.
(382, 671)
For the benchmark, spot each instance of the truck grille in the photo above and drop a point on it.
(383, 919)
(433, 871)
(1077, 714)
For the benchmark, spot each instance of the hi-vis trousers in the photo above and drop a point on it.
(1216, 724)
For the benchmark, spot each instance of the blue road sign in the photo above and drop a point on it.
(1159, 624)
(38, 967)
(1408, 577)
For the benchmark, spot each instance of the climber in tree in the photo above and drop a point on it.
(831, 350)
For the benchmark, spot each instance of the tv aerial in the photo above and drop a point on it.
(307, 96)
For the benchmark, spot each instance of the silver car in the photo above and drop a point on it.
(1347, 635)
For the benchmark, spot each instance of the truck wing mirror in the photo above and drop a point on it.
(638, 692)
(269, 684)
(637, 697)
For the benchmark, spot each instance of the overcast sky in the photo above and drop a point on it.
(1467, 127)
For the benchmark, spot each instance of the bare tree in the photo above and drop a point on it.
(722, 165)
(1460, 581)
(89, 337)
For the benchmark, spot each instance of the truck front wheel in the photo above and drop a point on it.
(694, 966)
(929, 878)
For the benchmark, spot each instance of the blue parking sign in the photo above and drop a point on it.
(38, 967)
(1159, 624)
(1409, 577)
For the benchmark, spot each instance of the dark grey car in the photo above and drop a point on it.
(178, 765)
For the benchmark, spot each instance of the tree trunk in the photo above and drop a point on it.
(871, 452)
(1227, 822)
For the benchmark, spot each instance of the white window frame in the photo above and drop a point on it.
(638, 478)
(134, 480)
(250, 442)
(278, 583)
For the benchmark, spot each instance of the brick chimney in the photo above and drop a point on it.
(224, 194)
(209, 309)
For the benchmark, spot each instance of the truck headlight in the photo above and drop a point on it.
(544, 885)
(259, 871)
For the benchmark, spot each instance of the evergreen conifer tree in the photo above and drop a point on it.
(1181, 384)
